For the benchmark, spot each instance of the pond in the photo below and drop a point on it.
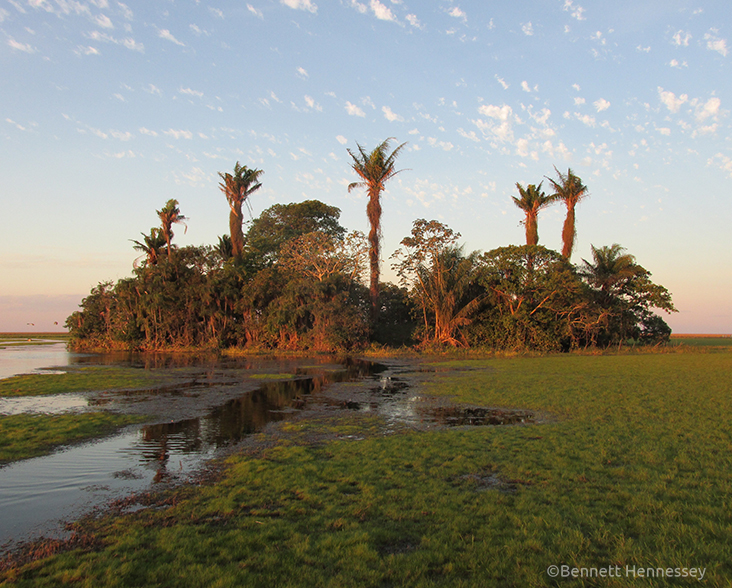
(216, 403)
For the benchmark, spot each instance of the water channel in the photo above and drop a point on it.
(215, 404)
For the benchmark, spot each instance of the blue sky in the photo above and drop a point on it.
(108, 109)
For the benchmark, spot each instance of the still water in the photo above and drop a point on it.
(38, 495)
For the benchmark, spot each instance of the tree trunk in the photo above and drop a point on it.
(568, 234)
(237, 235)
(373, 212)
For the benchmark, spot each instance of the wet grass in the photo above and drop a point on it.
(631, 467)
(82, 380)
(24, 436)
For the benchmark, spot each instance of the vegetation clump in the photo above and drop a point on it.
(296, 281)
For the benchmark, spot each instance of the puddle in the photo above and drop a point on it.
(455, 416)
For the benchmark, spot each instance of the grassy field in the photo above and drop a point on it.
(630, 468)
(702, 340)
(82, 380)
(24, 436)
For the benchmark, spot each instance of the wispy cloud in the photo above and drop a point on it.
(390, 115)
(24, 47)
(457, 12)
(302, 73)
(414, 21)
(256, 12)
(502, 82)
(528, 29)
(301, 5)
(178, 134)
(190, 92)
(168, 36)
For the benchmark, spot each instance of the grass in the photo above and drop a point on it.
(82, 380)
(25, 436)
(702, 341)
(631, 467)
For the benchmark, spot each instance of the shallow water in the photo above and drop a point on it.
(37, 495)
(29, 359)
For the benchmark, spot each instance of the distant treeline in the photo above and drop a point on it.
(296, 281)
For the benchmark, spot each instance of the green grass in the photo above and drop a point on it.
(632, 466)
(24, 436)
(706, 341)
(272, 376)
(82, 380)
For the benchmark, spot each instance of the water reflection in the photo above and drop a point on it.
(28, 359)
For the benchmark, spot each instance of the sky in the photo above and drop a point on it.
(109, 109)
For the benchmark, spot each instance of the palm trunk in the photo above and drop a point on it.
(237, 235)
(373, 212)
(568, 233)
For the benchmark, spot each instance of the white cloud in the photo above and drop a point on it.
(543, 117)
(579, 101)
(255, 11)
(178, 134)
(302, 73)
(714, 43)
(723, 162)
(126, 136)
(664, 131)
(86, 50)
(502, 82)
(354, 110)
(585, 119)
(216, 12)
(25, 47)
(575, 11)
(301, 5)
(601, 104)
(526, 88)
(126, 12)
(456, 12)
(144, 131)
(675, 63)
(681, 39)
(390, 115)
(499, 112)
(381, 11)
(152, 89)
(710, 108)
(528, 29)
(191, 92)
(312, 104)
(413, 20)
(133, 45)
(471, 135)
(103, 21)
(3, 14)
(168, 36)
(341, 139)
(670, 100)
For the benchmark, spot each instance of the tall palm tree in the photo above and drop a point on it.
(170, 215)
(571, 190)
(531, 202)
(374, 169)
(151, 246)
(237, 188)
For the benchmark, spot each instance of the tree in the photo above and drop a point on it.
(626, 295)
(281, 223)
(374, 169)
(320, 256)
(151, 246)
(570, 189)
(237, 188)
(170, 215)
(531, 202)
(441, 278)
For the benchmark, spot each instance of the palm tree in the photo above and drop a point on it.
(237, 188)
(151, 245)
(531, 202)
(610, 270)
(571, 190)
(170, 215)
(374, 169)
